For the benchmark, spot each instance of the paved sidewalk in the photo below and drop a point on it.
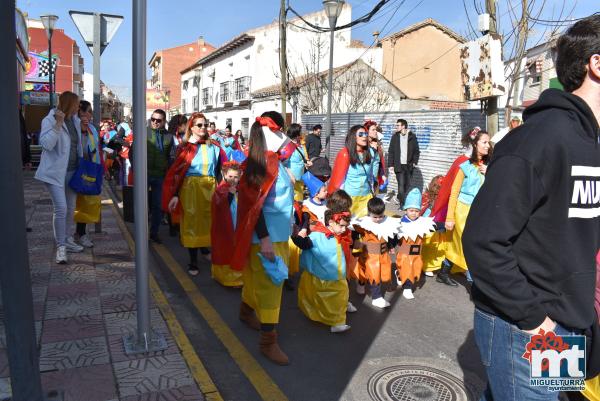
(83, 309)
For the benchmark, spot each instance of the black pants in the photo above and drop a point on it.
(403, 177)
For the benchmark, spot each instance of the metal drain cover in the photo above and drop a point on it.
(417, 383)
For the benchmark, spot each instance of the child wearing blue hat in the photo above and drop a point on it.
(415, 227)
(313, 208)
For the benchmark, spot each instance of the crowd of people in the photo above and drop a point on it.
(266, 209)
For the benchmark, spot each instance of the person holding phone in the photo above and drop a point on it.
(61, 150)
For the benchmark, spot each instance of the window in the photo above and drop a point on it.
(245, 124)
(225, 90)
(185, 84)
(228, 122)
(207, 96)
(195, 104)
(184, 106)
(196, 80)
(242, 88)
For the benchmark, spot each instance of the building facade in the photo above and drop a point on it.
(68, 60)
(166, 64)
(222, 85)
(423, 61)
(22, 49)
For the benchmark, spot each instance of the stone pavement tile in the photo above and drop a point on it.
(39, 293)
(76, 275)
(121, 285)
(72, 328)
(81, 257)
(102, 246)
(4, 370)
(77, 306)
(185, 393)
(117, 349)
(114, 303)
(114, 271)
(74, 354)
(40, 278)
(124, 323)
(113, 256)
(64, 291)
(40, 267)
(93, 383)
(38, 335)
(151, 374)
(5, 390)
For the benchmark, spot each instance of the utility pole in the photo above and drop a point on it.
(492, 102)
(516, 74)
(15, 278)
(283, 56)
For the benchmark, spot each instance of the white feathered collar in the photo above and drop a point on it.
(385, 230)
(317, 210)
(417, 228)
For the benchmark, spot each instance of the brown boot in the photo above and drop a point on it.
(247, 316)
(270, 348)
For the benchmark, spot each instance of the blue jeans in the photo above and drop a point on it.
(501, 346)
(156, 214)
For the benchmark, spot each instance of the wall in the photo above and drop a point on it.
(403, 64)
(438, 133)
(62, 45)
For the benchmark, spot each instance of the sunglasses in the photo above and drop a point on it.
(362, 134)
(201, 125)
(156, 120)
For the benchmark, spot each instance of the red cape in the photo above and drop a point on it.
(440, 207)
(221, 230)
(340, 169)
(250, 203)
(345, 241)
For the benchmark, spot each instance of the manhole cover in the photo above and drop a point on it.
(417, 383)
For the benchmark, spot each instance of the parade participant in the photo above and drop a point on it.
(296, 163)
(313, 208)
(339, 201)
(266, 197)
(354, 169)
(375, 138)
(224, 215)
(415, 227)
(403, 156)
(177, 127)
(323, 289)
(59, 138)
(87, 209)
(239, 137)
(212, 131)
(228, 142)
(469, 178)
(375, 236)
(190, 184)
(534, 230)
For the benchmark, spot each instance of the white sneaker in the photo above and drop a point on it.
(360, 289)
(351, 308)
(86, 241)
(72, 246)
(408, 294)
(61, 255)
(380, 303)
(340, 328)
(429, 274)
(398, 282)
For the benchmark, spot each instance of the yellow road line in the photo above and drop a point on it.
(262, 382)
(199, 372)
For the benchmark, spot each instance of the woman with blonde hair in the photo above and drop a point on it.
(61, 150)
(189, 186)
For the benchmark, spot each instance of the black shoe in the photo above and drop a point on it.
(204, 251)
(155, 238)
(445, 279)
(289, 285)
(193, 270)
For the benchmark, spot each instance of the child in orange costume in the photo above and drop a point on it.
(375, 235)
(408, 255)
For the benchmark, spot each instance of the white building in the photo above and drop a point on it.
(222, 84)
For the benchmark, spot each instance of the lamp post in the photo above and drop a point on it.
(333, 9)
(49, 21)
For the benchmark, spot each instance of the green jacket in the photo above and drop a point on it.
(158, 154)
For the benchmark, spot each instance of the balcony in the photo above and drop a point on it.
(242, 88)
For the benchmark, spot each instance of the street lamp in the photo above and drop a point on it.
(49, 21)
(333, 9)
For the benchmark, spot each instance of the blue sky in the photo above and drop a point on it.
(174, 22)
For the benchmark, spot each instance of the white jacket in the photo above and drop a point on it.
(56, 145)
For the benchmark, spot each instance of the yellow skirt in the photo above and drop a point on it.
(195, 196)
(294, 266)
(323, 301)
(454, 249)
(226, 276)
(259, 292)
(433, 251)
(359, 205)
(299, 190)
(592, 389)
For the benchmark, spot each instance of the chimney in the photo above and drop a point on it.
(201, 41)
